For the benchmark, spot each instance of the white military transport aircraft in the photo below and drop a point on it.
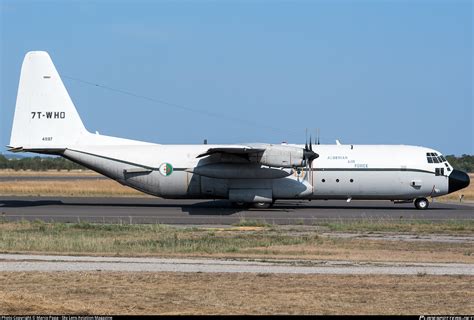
(47, 122)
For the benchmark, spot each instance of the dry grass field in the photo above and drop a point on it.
(72, 186)
(202, 293)
(48, 173)
(68, 188)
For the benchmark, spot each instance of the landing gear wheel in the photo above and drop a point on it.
(422, 203)
(261, 205)
(239, 204)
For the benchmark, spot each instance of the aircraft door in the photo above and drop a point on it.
(306, 176)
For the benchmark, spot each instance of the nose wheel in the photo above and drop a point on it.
(422, 203)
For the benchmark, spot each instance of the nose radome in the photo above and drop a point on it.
(458, 180)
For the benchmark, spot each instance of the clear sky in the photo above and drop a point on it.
(364, 72)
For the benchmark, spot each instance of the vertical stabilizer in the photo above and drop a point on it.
(45, 117)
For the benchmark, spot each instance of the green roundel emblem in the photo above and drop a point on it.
(166, 169)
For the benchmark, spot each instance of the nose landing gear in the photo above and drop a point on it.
(422, 203)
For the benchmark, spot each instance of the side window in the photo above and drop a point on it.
(439, 171)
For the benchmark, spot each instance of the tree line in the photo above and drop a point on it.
(464, 163)
(38, 163)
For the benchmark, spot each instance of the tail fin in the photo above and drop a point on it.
(45, 117)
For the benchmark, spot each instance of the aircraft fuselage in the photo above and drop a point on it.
(389, 172)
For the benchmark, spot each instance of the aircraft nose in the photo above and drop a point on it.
(458, 180)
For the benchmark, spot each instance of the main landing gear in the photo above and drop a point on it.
(262, 205)
(422, 203)
(256, 205)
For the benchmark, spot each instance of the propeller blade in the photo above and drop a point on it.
(306, 140)
(308, 154)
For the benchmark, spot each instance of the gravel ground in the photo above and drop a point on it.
(22, 263)
(403, 237)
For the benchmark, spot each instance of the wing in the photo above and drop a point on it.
(234, 150)
(271, 155)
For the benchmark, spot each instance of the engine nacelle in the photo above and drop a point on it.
(281, 156)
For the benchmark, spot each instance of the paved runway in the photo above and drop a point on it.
(204, 212)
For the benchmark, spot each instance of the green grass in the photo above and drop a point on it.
(156, 239)
(251, 223)
(133, 239)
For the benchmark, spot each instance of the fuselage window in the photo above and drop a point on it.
(337, 180)
(352, 180)
(324, 180)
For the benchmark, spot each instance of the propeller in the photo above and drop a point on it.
(309, 155)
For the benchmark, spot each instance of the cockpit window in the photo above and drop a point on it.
(433, 157)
